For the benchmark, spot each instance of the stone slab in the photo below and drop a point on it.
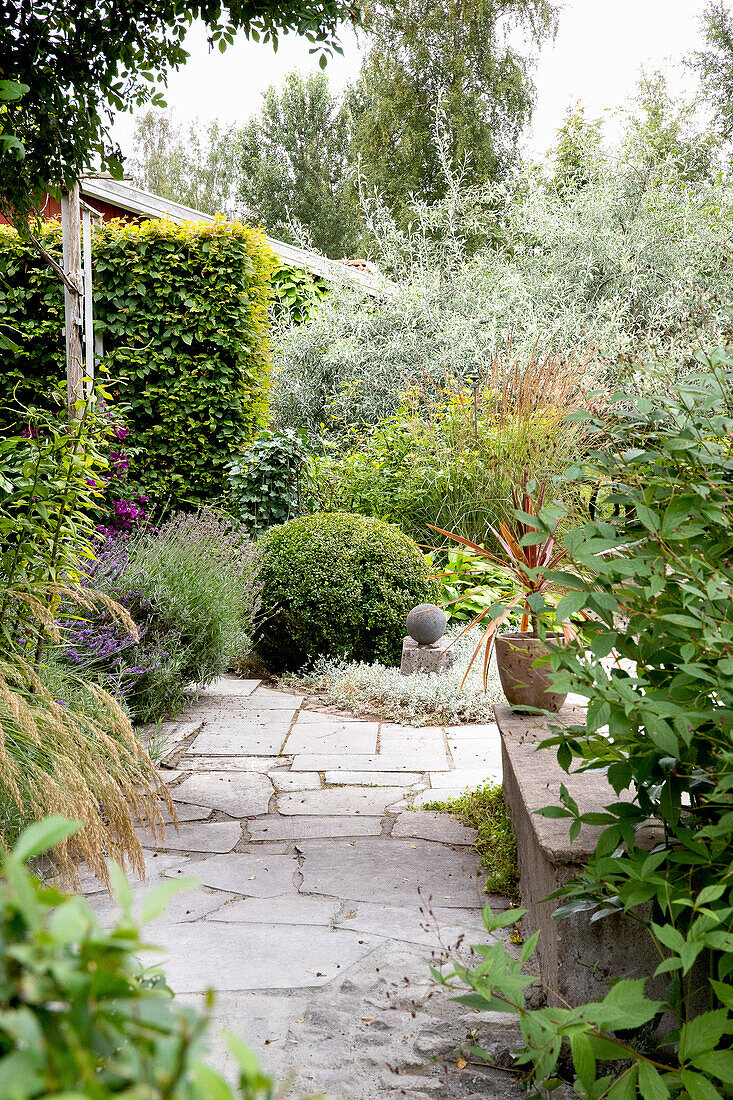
(396, 872)
(232, 746)
(393, 736)
(184, 812)
(214, 836)
(167, 774)
(214, 955)
(437, 928)
(230, 686)
(298, 909)
(374, 779)
(295, 781)
(470, 778)
(368, 801)
(259, 876)
(274, 827)
(321, 734)
(488, 732)
(276, 700)
(240, 795)
(156, 863)
(244, 735)
(233, 763)
(576, 957)
(172, 733)
(431, 825)
(191, 904)
(468, 756)
(429, 760)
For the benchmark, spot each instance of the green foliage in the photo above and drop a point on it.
(448, 458)
(183, 313)
(449, 60)
(714, 64)
(191, 589)
(266, 482)
(294, 294)
(80, 1016)
(661, 134)
(294, 167)
(635, 262)
(657, 580)
(192, 166)
(470, 584)
(68, 747)
(485, 810)
(49, 472)
(84, 63)
(338, 585)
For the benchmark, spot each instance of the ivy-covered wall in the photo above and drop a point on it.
(183, 311)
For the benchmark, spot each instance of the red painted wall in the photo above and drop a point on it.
(51, 210)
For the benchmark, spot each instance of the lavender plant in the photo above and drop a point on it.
(191, 588)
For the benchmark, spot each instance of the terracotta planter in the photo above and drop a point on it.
(524, 686)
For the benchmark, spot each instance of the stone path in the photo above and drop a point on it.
(325, 896)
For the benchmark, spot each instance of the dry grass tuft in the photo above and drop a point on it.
(77, 758)
(57, 759)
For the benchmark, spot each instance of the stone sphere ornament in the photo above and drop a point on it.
(426, 623)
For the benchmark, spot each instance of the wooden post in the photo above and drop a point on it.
(89, 343)
(71, 233)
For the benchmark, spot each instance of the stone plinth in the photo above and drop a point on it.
(426, 658)
(576, 956)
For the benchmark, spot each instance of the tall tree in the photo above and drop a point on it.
(81, 61)
(295, 175)
(663, 134)
(196, 166)
(714, 65)
(449, 56)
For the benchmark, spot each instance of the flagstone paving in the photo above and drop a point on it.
(325, 897)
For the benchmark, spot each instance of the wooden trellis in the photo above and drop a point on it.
(77, 219)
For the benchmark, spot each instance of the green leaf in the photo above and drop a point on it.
(624, 1006)
(651, 1084)
(624, 1088)
(212, 1086)
(703, 1033)
(121, 890)
(699, 1087)
(716, 1063)
(529, 947)
(571, 604)
(584, 1059)
(156, 900)
(44, 835)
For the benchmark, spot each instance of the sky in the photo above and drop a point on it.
(596, 59)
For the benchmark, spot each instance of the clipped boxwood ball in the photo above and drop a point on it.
(338, 585)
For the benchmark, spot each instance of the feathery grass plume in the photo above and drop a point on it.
(58, 757)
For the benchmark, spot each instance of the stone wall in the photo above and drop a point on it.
(576, 956)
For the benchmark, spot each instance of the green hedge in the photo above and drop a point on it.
(183, 310)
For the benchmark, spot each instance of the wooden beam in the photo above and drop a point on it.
(88, 303)
(71, 233)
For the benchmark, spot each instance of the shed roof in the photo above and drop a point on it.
(127, 196)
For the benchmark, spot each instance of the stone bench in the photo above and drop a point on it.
(575, 957)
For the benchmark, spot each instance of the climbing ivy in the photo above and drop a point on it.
(183, 311)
